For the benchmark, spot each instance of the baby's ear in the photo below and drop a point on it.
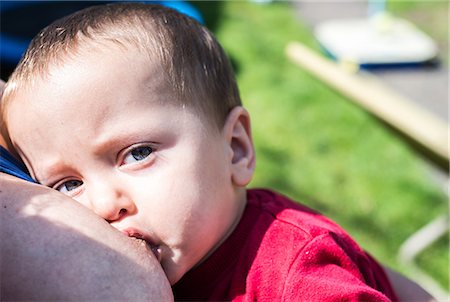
(237, 132)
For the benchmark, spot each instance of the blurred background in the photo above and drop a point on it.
(314, 144)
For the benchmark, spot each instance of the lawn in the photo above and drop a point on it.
(320, 149)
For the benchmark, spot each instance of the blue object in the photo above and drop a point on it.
(10, 165)
(12, 46)
(183, 7)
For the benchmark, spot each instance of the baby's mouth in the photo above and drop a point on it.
(156, 250)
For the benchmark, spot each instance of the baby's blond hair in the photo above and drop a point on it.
(194, 63)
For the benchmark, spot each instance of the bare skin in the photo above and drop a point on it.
(406, 289)
(56, 249)
(53, 248)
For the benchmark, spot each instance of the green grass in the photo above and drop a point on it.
(317, 147)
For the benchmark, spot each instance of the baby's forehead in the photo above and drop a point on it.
(104, 53)
(90, 73)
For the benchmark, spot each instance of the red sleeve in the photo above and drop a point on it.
(326, 270)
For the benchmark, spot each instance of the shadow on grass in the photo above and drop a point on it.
(278, 174)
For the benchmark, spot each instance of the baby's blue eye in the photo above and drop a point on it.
(138, 154)
(69, 186)
(141, 152)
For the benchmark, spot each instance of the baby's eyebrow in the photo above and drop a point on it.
(46, 175)
(103, 143)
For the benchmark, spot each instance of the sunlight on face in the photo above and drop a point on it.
(101, 130)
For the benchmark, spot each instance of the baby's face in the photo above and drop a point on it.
(99, 129)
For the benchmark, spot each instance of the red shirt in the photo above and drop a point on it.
(283, 251)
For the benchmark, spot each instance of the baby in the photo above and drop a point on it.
(133, 110)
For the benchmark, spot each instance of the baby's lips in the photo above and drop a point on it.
(130, 232)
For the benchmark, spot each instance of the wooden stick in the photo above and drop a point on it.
(417, 124)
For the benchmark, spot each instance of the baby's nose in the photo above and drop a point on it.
(111, 203)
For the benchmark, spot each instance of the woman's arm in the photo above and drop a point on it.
(406, 289)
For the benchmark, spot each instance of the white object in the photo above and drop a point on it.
(380, 39)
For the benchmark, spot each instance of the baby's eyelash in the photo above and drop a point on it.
(69, 187)
(137, 154)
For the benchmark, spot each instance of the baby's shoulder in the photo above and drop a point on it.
(313, 257)
(290, 215)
